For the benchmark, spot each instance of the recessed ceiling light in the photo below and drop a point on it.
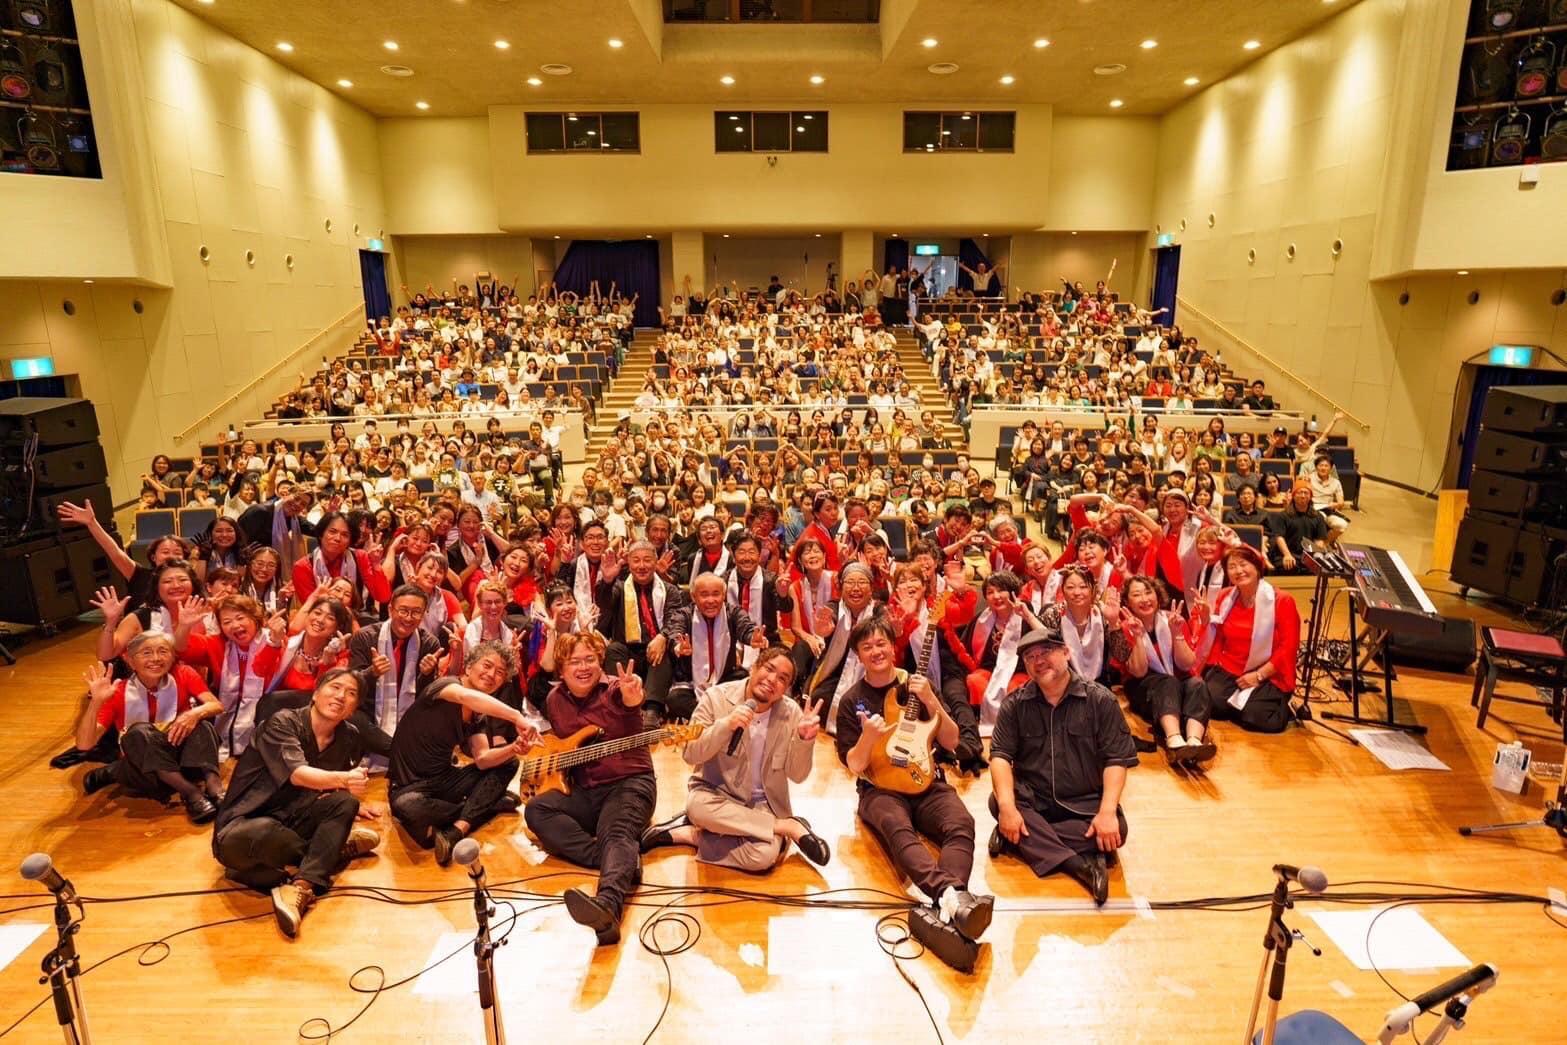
(1251, 45)
(534, 81)
(207, 2)
(1008, 80)
(1149, 45)
(818, 235)
(1074, 232)
(86, 281)
(555, 69)
(1116, 103)
(739, 130)
(1191, 81)
(726, 235)
(727, 81)
(503, 45)
(390, 45)
(649, 235)
(1463, 272)
(734, 116)
(799, 130)
(616, 43)
(818, 80)
(808, 116)
(557, 237)
(1041, 43)
(345, 83)
(929, 41)
(284, 46)
(421, 105)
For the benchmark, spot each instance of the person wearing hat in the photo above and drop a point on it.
(1248, 644)
(1058, 762)
(1299, 528)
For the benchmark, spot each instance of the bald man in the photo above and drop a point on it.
(710, 636)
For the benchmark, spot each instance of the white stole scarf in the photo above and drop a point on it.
(754, 598)
(700, 559)
(1261, 648)
(323, 573)
(1006, 660)
(160, 618)
(482, 552)
(1186, 550)
(1160, 645)
(1088, 646)
(706, 672)
(814, 595)
(285, 532)
(436, 612)
(632, 609)
(853, 670)
(473, 634)
(159, 708)
(394, 693)
(582, 590)
(239, 688)
(1037, 596)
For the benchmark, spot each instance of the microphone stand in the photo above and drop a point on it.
(1275, 951)
(62, 970)
(484, 954)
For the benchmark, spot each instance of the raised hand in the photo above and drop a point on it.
(428, 663)
(609, 566)
(1134, 627)
(109, 603)
(875, 725)
(759, 639)
(192, 610)
(100, 682)
(665, 563)
(630, 684)
(822, 620)
(76, 514)
(277, 627)
(379, 664)
(810, 720)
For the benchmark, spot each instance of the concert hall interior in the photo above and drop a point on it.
(885, 520)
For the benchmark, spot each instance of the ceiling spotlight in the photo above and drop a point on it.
(726, 235)
(1463, 272)
(557, 237)
(1252, 45)
(616, 43)
(1149, 45)
(88, 281)
(727, 81)
(345, 83)
(818, 80)
(209, 4)
(534, 81)
(739, 130)
(390, 45)
(421, 105)
(503, 45)
(1008, 80)
(818, 235)
(929, 41)
(284, 46)
(799, 130)
(1041, 43)
(1116, 103)
(649, 235)
(1191, 81)
(808, 116)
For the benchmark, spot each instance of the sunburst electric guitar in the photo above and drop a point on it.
(548, 764)
(904, 763)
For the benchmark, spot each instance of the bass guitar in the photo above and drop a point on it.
(904, 763)
(548, 764)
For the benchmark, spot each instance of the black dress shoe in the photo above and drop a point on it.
(71, 756)
(1091, 875)
(510, 802)
(658, 836)
(998, 842)
(943, 940)
(445, 840)
(652, 716)
(97, 779)
(595, 913)
(200, 808)
(812, 845)
(972, 916)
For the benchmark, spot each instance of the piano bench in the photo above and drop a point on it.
(1519, 656)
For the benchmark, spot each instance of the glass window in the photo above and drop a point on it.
(810, 131)
(770, 132)
(582, 130)
(959, 130)
(621, 131)
(545, 133)
(732, 131)
(740, 131)
(996, 131)
(921, 130)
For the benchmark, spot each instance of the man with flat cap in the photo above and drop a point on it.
(1058, 762)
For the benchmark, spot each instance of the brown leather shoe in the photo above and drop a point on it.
(290, 901)
(361, 842)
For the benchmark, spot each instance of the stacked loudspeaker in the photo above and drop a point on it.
(49, 454)
(1512, 540)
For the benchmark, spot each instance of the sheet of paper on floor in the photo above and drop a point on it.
(16, 938)
(1397, 750)
(1400, 939)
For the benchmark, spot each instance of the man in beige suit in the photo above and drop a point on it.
(738, 813)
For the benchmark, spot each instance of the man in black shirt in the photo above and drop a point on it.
(952, 925)
(438, 802)
(1258, 398)
(1297, 529)
(293, 800)
(1058, 762)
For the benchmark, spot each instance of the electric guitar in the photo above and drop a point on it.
(548, 764)
(904, 762)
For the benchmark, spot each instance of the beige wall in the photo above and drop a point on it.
(437, 260)
(1039, 260)
(798, 261)
(1102, 172)
(439, 176)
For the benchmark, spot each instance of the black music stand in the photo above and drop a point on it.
(1324, 567)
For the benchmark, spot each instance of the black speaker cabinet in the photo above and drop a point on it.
(36, 585)
(46, 517)
(56, 422)
(1532, 571)
(81, 465)
(90, 567)
(1541, 410)
(1519, 454)
(1452, 649)
(1483, 554)
(1516, 495)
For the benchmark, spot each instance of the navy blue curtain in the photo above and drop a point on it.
(1166, 276)
(1485, 379)
(631, 265)
(895, 255)
(372, 276)
(969, 254)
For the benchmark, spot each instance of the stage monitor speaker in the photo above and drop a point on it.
(46, 517)
(1452, 649)
(69, 466)
(1483, 553)
(56, 422)
(36, 586)
(1539, 411)
(1532, 569)
(90, 567)
(1515, 495)
(1519, 454)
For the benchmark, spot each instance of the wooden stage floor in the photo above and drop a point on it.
(774, 973)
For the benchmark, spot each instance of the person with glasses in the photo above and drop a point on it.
(393, 661)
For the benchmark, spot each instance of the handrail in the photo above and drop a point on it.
(356, 312)
(512, 413)
(1274, 363)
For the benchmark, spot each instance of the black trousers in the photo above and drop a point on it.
(1154, 695)
(901, 823)
(599, 827)
(955, 698)
(377, 741)
(145, 751)
(1055, 833)
(308, 834)
(655, 677)
(1268, 710)
(460, 793)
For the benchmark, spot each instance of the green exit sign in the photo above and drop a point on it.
(927, 250)
(1513, 355)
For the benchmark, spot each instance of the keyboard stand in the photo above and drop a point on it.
(1376, 642)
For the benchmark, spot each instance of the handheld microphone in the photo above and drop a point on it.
(1481, 978)
(1310, 878)
(39, 868)
(466, 853)
(734, 738)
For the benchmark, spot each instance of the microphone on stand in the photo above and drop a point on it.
(1310, 878)
(1477, 980)
(39, 868)
(466, 853)
(734, 738)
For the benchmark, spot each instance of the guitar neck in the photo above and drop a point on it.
(562, 760)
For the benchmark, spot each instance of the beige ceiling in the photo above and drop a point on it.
(450, 46)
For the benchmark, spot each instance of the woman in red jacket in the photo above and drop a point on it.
(1248, 651)
(335, 557)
